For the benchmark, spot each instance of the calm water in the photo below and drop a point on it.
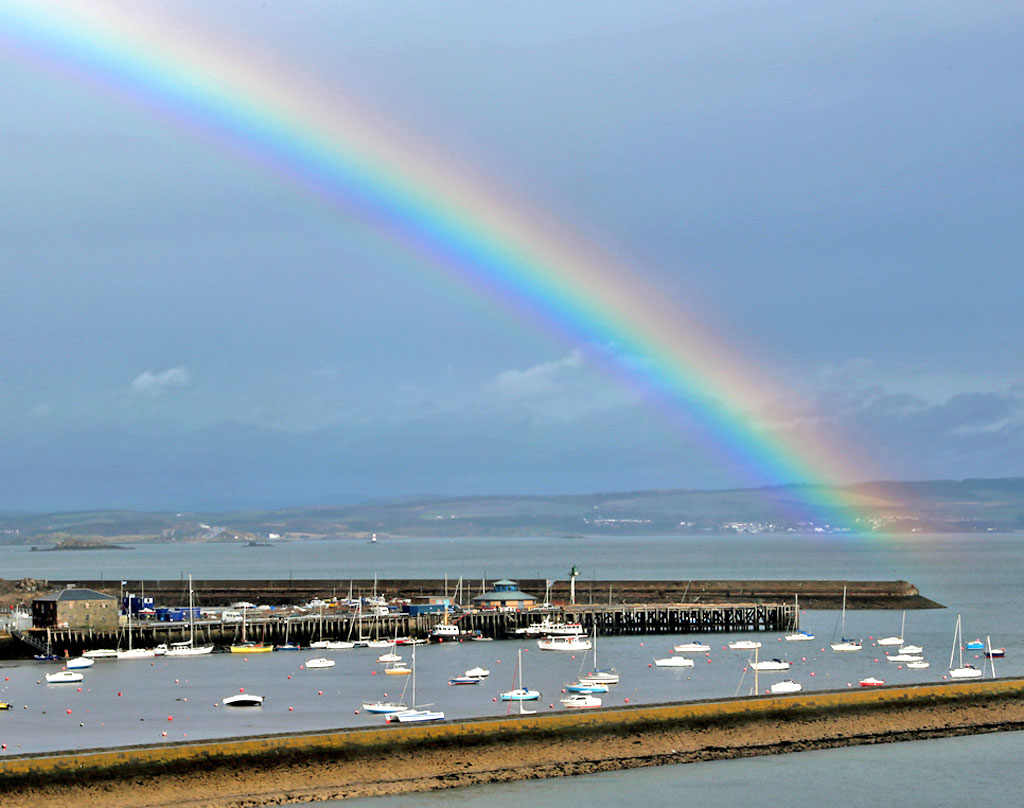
(976, 575)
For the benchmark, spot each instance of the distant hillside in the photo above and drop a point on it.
(896, 507)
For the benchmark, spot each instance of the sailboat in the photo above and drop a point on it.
(598, 676)
(520, 693)
(247, 647)
(962, 671)
(189, 648)
(846, 645)
(895, 640)
(415, 714)
(796, 635)
(133, 653)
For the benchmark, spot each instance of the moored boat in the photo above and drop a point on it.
(580, 700)
(691, 646)
(64, 677)
(770, 665)
(242, 700)
(674, 662)
(785, 686)
(871, 681)
(744, 645)
(565, 642)
(79, 662)
(319, 662)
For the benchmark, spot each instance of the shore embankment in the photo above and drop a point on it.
(319, 766)
(813, 594)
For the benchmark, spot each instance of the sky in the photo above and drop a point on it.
(834, 191)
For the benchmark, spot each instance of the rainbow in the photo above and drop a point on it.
(441, 214)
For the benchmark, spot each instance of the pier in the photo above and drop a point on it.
(303, 629)
(624, 608)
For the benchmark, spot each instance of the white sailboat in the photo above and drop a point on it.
(895, 640)
(415, 714)
(521, 693)
(796, 635)
(133, 653)
(961, 671)
(597, 676)
(189, 648)
(845, 644)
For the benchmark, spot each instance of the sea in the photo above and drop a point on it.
(977, 576)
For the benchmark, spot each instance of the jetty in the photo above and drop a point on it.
(343, 763)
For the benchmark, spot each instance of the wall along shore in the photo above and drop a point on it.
(389, 760)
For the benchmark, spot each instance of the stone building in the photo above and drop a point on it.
(76, 608)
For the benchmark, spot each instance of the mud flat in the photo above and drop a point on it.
(275, 770)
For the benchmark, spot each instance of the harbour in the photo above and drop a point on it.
(129, 703)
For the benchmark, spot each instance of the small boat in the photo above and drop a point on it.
(390, 656)
(785, 686)
(565, 642)
(744, 645)
(911, 649)
(918, 665)
(799, 636)
(548, 628)
(445, 631)
(520, 693)
(338, 645)
(415, 715)
(79, 662)
(975, 645)
(580, 700)
(243, 700)
(845, 644)
(288, 646)
(135, 653)
(992, 653)
(385, 707)
(482, 673)
(101, 653)
(871, 681)
(904, 657)
(251, 648)
(465, 680)
(581, 687)
(895, 640)
(691, 646)
(962, 671)
(63, 677)
(320, 662)
(4, 705)
(397, 669)
(770, 665)
(674, 662)
(160, 650)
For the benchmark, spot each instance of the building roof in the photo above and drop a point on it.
(504, 594)
(76, 594)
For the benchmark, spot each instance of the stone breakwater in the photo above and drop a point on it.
(312, 767)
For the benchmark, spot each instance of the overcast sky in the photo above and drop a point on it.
(837, 188)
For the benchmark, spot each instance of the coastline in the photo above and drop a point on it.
(332, 766)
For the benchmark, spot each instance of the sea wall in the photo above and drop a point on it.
(392, 759)
(813, 594)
